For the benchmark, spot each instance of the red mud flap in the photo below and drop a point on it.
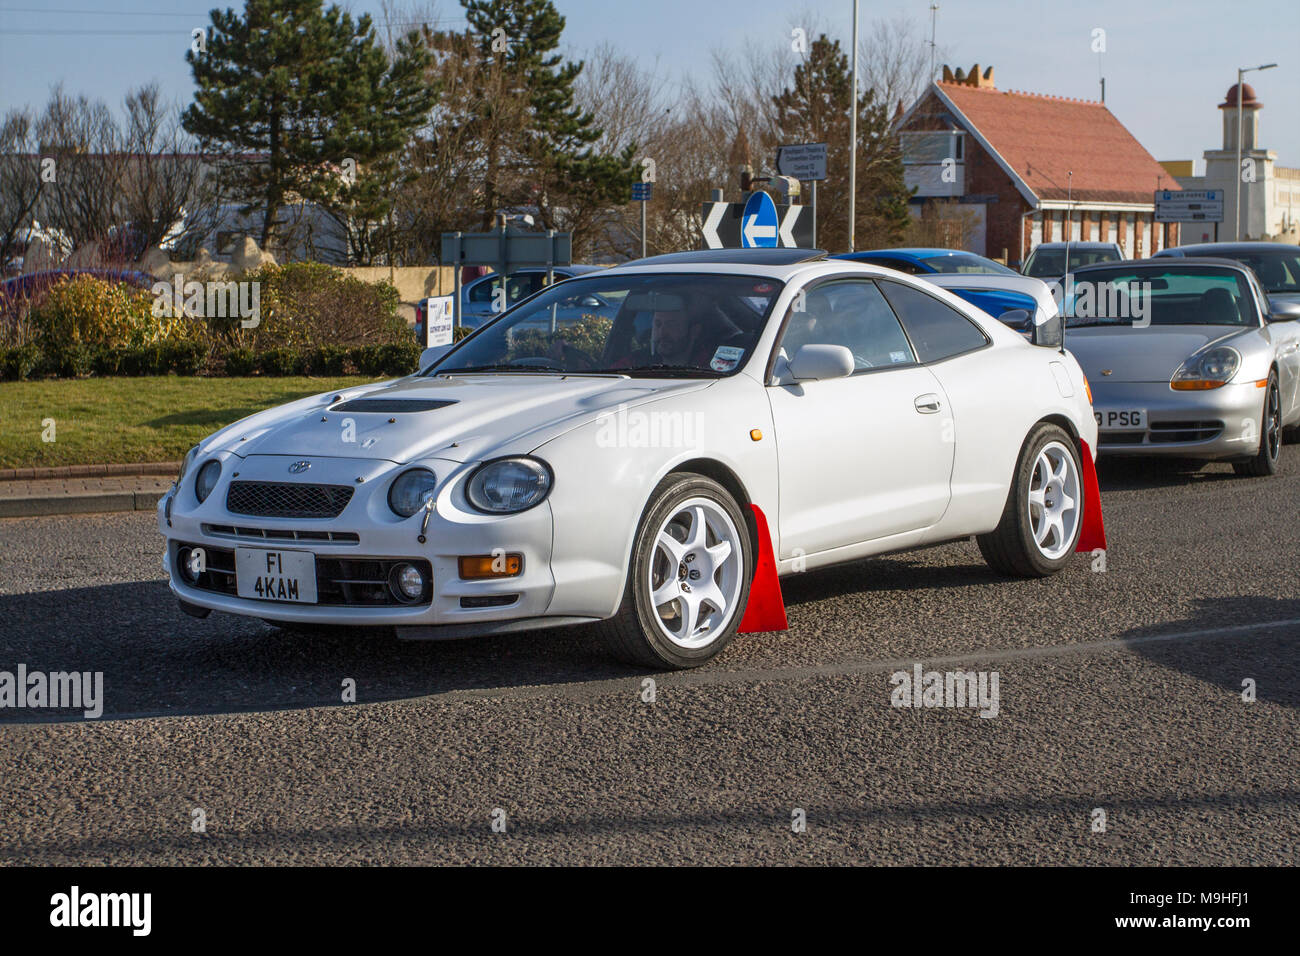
(1092, 536)
(766, 608)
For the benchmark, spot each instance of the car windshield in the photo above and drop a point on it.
(1049, 263)
(968, 264)
(1277, 271)
(1187, 295)
(681, 324)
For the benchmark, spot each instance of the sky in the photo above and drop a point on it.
(1167, 65)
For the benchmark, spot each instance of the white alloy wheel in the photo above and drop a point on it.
(694, 578)
(1054, 500)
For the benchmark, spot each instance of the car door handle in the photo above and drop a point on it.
(927, 404)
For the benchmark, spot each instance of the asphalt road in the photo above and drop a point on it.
(1119, 690)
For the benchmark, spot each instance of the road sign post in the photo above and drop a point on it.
(1189, 205)
(807, 163)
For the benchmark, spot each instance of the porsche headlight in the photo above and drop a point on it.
(508, 485)
(411, 491)
(206, 479)
(1206, 370)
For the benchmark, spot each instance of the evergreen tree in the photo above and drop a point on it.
(547, 160)
(304, 102)
(815, 108)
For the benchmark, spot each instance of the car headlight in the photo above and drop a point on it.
(206, 479)
(1206, 370)
(411, 491)
(508, 485)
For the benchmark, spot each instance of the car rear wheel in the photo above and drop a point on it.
(1044, 510)
(1270, 436)
(689, 578)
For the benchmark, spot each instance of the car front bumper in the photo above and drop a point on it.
(1220, 423)
(364, 534)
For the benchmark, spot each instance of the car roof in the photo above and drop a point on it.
(1163, 262)
(1090, 244)
(1210, 248)
(758, 257)
(918, 252)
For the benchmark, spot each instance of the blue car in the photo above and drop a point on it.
(926, 262)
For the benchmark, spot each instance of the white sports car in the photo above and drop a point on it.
(745, 414)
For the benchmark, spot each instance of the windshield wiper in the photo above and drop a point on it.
(666, 367)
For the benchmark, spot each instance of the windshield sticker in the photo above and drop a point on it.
(726, 358)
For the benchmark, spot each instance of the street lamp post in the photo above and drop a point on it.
(1241, 73)
(853, 135)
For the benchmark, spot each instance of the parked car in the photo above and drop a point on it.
(920, 262)
(747, 413)
(1276, 266)
(1047, 260)
(1186, 360)
(1015, 300)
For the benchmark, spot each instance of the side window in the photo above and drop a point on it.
(852, 313)
(937, 330)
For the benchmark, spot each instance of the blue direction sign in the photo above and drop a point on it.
(641, 191)
(758, 223)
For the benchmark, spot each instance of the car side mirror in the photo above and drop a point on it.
(431, 355)
(1280, 310)
(1018, 319)
(1049, 334)
(821, 362)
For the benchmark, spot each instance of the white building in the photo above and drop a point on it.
(1270, 194)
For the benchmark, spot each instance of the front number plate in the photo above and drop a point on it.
(276, 575)
(1121, 420)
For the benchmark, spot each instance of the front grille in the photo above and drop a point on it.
(281, 534)
(1162, 432)
(286, 499)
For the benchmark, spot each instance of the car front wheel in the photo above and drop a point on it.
(688, 580)
(1270, 436)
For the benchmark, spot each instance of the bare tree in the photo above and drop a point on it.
(162, 180)
(20, 181)
(84, 140)
(895, 60)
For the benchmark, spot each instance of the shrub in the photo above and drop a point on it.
(326, 360)
(23, 362)
(86, 310)
(280, 361)
(307, 304)
(241, 362)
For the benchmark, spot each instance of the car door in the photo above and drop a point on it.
(862, 457)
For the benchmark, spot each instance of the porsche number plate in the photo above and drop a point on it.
(1121, 419)
(276, 575)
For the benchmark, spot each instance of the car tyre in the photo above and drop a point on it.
(1270, 436)
(692, 553)
(1040, 523)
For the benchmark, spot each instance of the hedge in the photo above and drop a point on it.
(189, 358)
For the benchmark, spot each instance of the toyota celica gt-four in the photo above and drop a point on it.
(744, 414)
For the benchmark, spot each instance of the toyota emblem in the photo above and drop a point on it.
(298, 467)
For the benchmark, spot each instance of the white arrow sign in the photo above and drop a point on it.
(753, 231)
(711, 238)
(788, 222)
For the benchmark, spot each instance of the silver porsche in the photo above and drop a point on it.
(1186, 358)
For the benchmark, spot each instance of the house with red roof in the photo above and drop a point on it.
(1023, 168)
